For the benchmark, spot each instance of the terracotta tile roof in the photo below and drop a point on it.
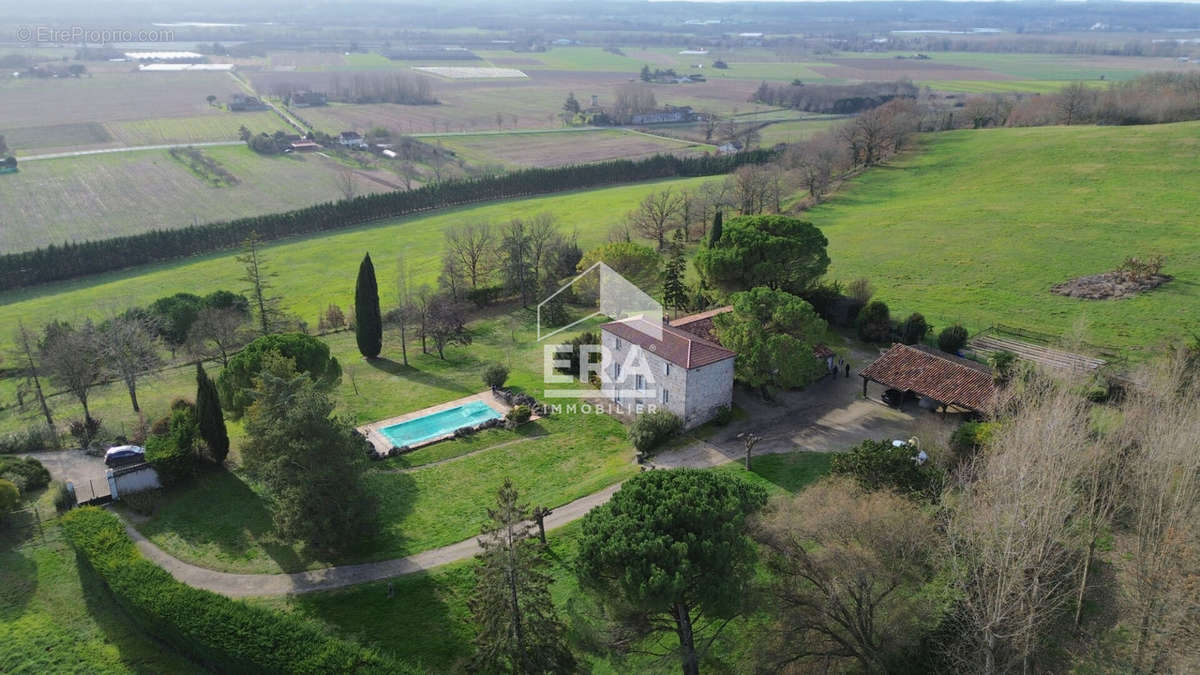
(678, 346)
(941, 377)
(701, 324)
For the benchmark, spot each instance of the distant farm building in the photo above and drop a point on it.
(351, 139)
(165, 57)
(242, 103)
(304, 146)
(670, 114)
(306, 99)
(179, 67)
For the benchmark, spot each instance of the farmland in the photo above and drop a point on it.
(98, 196)
(943, 232)
(568, 147)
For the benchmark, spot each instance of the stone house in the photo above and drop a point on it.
(675, 370)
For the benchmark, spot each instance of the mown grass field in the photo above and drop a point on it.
(108, 195)
(979, 225)
(427, 621)
(219, 127)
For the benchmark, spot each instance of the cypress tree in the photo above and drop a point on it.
(209, 417)
(368, 323)
(715, 235)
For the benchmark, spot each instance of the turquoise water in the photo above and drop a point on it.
(439, 423)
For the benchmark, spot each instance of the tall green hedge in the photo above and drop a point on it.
(220, 634)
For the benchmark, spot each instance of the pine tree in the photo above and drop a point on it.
(519, 630)
(645, 73)
(264, 304)
(368, 326)
(674, 290)
(209, 416)
(715, 235)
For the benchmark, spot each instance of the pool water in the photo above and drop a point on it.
(441, 423)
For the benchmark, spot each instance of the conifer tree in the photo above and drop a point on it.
(209, 417)
(674, 290)
(519, 630)
(715, 235)
(368, 327)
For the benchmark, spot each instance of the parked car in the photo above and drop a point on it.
(895, 397)
(124, 455)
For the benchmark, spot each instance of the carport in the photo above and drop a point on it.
(948, 380)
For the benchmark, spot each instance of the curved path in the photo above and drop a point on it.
(246, 585)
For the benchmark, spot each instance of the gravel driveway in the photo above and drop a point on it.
(85, 472)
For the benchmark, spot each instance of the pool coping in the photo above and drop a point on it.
(383, 445)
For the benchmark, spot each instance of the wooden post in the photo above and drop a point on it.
(864, 387)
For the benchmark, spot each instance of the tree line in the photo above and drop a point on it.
(77, 259)
(838, 99)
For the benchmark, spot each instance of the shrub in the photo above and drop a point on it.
(36, 438)
(173, 455)
(952, 338)
(218, 633)
(969, 437)
(874, 322)
(879, 465)
(27, 474)
(311, 356)
(10, 496)
(85, 431)
(652, 429)
(860, 290)
(495, 375)
(1002, 363)
(519, 414)
(915, 329)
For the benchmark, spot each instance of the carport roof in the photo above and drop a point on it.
(941, 377)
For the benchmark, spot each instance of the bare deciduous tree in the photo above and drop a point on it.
(71, 358)
(848, 567)
(128, 350)
(217, 332)
(657, 215)
(27, 360)
(472, 246)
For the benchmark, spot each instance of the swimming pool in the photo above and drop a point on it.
(438, 424)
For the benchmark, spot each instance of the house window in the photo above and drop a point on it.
(639, 382)
(666, 396)
(668, 369)
(617, 343)
(617, 372)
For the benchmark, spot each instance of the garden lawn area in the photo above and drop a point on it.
(979, 225)
(55, 617)
(428, 622)
(221, 522)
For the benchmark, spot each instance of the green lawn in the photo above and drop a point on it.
(55, 617)
(1003, 86)
(978, 226)
(217, 126)
(221, 521)
(428, 622)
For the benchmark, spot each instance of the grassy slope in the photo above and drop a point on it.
(318, 270)
(56, 618)
(979, 226)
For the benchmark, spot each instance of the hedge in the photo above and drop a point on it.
(77, 259)
(218, 633)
